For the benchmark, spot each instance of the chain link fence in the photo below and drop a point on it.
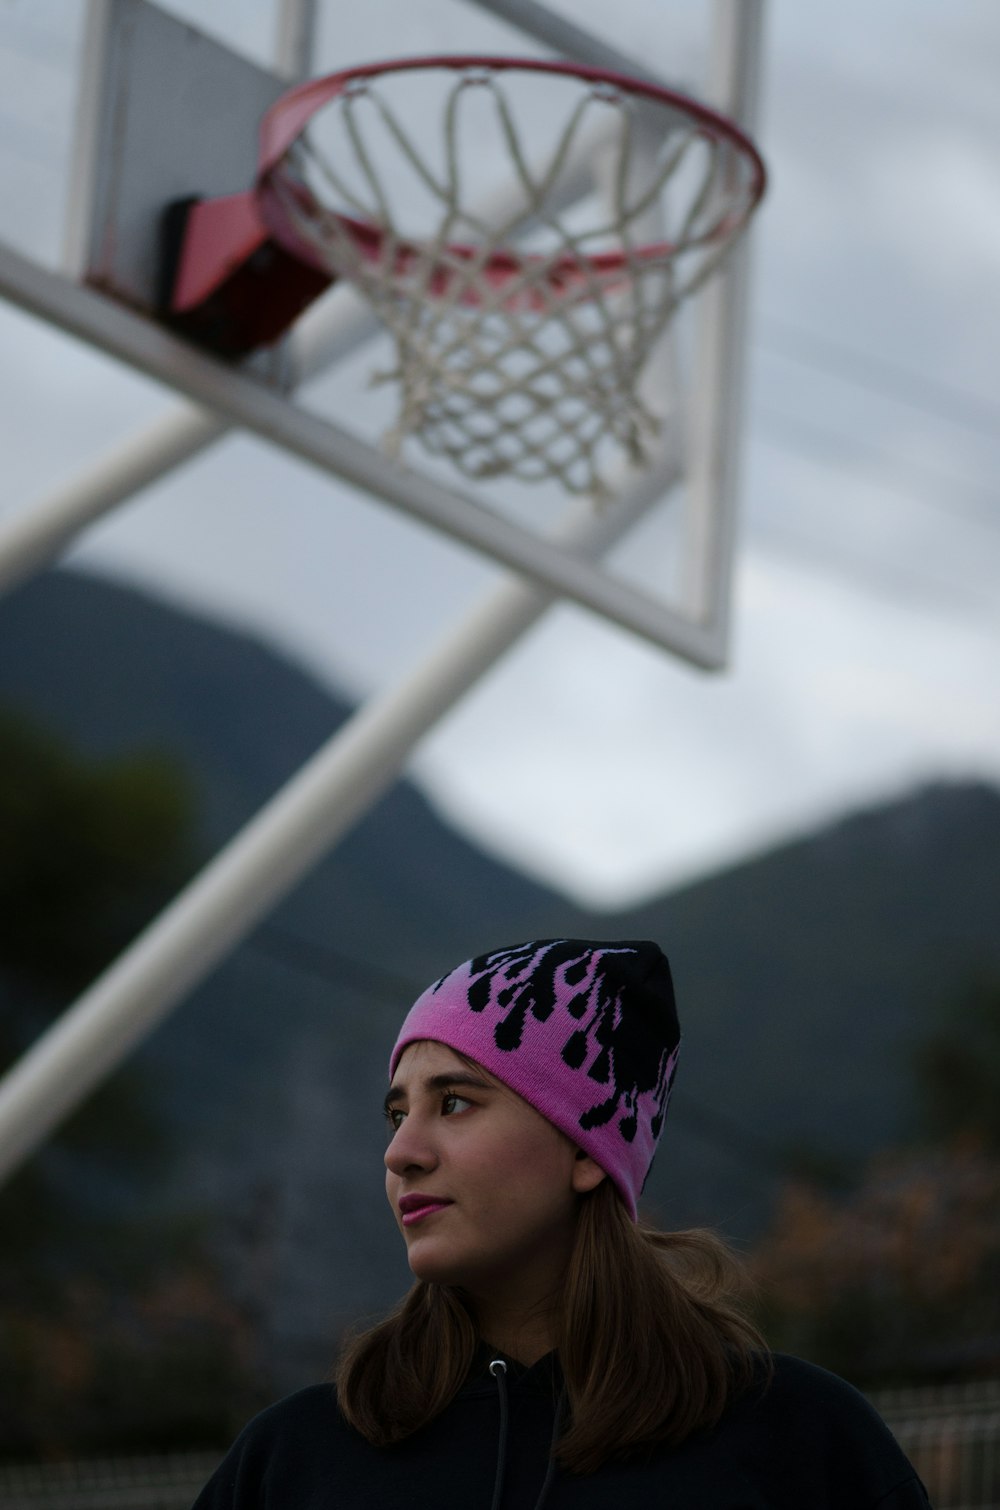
(952, 1437)
(950, 1434)
(161, 1481)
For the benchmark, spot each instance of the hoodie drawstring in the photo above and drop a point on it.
(550, 1474)
(499, 1371)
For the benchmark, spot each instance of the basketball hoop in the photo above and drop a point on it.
(519, 345)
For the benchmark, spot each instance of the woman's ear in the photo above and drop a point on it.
(586, 1174)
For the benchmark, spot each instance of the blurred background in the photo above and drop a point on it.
(813, 835)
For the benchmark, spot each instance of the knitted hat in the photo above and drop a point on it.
(585, 1031)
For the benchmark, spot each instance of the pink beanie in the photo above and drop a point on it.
(585, 1031)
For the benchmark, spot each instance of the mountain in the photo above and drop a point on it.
(811, 972)
(805, 976)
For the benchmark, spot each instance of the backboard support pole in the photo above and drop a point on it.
(50, 525)
(31, 539)
(277, 847)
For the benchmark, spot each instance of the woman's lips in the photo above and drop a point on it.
(417, 1213)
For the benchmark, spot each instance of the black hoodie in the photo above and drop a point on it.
(808, 1441)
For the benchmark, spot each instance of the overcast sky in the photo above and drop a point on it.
(867, 623)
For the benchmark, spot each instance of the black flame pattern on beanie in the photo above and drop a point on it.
(627, 1032)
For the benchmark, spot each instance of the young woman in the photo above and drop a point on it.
(554, 1353)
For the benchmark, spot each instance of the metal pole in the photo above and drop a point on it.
(245, 401)
(49, 526)
(295, 38)
(31, 539)
(275, 849)
(717, 389)
(567, 40)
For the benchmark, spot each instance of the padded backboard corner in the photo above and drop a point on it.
(163, 113)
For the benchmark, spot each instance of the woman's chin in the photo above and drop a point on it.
(435, 1263)
(432, 1268)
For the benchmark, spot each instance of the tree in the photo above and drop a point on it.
(958, 1067)
(897, 1277)
(115, 1328)
(88, 851)
(897, 1281)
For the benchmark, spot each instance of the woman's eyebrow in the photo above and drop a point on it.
(398, 1093)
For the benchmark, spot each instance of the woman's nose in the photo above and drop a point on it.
(410, 1149)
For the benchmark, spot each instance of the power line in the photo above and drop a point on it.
(812, 441)
(877, 375)
(322, 962)
(327, 963)
(805, 437)
(885, 576)
(903, 586)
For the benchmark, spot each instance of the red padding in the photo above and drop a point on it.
(235, 287)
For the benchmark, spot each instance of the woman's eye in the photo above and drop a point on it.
(452, 1103)
(394, 1118)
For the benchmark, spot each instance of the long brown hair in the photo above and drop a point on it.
(652, 1335)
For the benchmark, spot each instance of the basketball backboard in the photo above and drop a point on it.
(166, 111)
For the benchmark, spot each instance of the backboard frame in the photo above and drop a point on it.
(125, 176)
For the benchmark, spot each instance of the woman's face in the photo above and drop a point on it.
(483, 1188)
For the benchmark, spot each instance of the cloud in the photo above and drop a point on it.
(615, 771)
(866, 616)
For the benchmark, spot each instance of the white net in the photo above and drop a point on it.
(520, 340)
